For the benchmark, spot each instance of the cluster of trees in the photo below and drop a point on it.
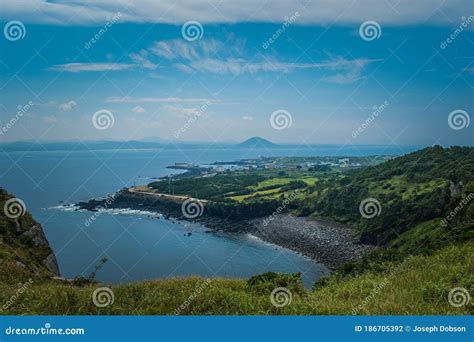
(210, 188)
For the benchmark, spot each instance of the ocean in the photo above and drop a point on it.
(142, 245)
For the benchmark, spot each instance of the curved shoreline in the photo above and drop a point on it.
(325, 242)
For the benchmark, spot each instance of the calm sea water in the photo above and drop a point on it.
(141, 246)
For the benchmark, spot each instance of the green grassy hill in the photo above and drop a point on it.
(411, 190)
(419, 285)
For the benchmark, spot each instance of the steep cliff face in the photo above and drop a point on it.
(24, 249)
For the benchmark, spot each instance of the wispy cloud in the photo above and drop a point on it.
(181, 49)
(230, 59)
(91, 67)
(143, 60)
(67, 106)
(347, 71)
(138, 110)
(319, 12)
(128, 99)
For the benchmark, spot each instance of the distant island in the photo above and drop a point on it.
(256, 142)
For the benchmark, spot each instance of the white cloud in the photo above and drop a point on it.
(182, 49)
(51, 119)
(320, 12)
(201, 56)
(247, 118)
(348, 70)
(142, 59)
(81, 67)
(138, 110)
(67, 106)
(128, 99)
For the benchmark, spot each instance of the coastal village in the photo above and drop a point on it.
(269, 163)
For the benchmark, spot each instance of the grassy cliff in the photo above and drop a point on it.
(418, 285)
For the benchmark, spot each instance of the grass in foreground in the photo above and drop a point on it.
(419, 286)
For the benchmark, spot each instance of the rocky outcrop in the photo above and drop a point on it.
(36, 234)
(23, 240)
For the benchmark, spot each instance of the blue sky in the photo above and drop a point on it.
(225, 84)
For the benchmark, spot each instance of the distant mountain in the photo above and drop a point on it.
(257, 142)
(154, 138)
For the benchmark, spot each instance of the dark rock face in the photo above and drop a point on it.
(24, 235)
(36, 234)
(52, 265)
